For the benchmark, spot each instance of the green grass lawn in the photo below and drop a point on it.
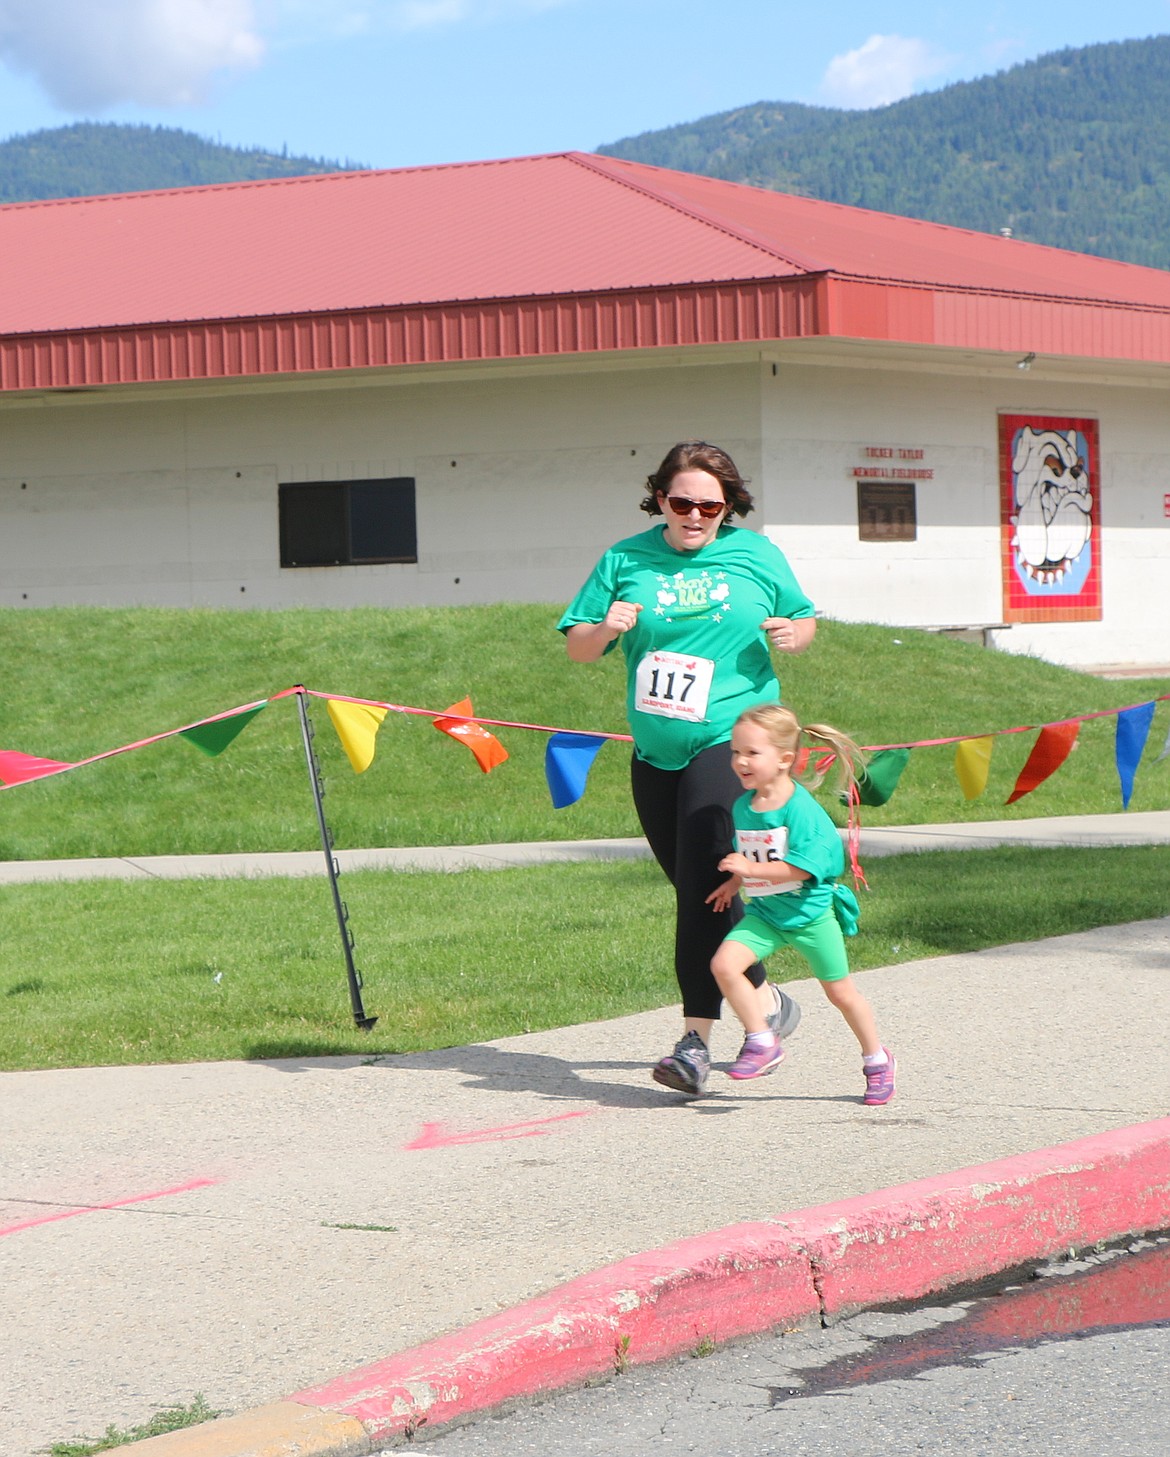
(114, 972)
(78, 681)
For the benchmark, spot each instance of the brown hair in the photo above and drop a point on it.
(699, 455)
(785, 731)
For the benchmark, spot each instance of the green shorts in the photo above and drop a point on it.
(820, 942)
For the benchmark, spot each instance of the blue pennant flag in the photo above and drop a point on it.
(1133, 728)
(567, 761)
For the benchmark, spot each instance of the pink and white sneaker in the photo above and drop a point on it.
(754, 1062)
(879, 1081)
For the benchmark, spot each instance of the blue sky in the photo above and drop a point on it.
(392, 83)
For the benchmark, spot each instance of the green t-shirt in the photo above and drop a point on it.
(696, 656)
(803, 835)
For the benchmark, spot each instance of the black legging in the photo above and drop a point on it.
(686, 816)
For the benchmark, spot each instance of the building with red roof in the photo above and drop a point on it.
(447, 384)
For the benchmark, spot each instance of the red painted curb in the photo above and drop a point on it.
(898, 1244)
(922, 1237)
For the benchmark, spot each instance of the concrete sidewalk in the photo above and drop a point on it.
(338, 1249)
(1148, 827)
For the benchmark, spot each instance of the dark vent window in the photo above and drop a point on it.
(886, 511)
(347, 523)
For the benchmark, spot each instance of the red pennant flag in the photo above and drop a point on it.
(17, 768)
(812, 761)
(486, 747)
(1049, 752)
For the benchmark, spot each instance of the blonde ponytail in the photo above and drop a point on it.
(845, 757)
(785, 731)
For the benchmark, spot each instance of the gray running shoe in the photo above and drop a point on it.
(784, 1021)
(686, 1068)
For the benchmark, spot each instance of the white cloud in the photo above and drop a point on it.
(423, 14)
(374, 16)
(884, 69)
(88, 55)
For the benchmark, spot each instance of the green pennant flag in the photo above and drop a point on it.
(213, 737)
(878, 780)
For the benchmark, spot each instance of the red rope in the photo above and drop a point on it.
(538, 728)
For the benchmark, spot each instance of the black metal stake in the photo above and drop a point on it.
(353, 976)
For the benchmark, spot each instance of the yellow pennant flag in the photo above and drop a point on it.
(357, 727)
(973, 764)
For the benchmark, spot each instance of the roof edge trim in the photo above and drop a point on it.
(681, 316)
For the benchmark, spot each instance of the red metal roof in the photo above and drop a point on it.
(858, 243)
(537, 255)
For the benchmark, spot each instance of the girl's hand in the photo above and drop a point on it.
(622, 616)
(738, 865)
(721, 898)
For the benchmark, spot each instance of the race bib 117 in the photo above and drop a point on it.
(673, 685)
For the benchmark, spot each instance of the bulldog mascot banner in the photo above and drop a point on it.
(1051, 515)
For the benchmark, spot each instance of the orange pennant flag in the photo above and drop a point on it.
(1049, 752)
(486, 747)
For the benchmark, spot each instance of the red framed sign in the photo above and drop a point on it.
(1050, 494)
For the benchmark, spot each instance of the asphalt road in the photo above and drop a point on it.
(1073, 1362)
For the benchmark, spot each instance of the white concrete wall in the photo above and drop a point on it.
(522, 481)
(817, 421)
(171, 498)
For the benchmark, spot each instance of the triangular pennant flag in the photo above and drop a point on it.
(878, 780)
(213, 737)
(814, 763)
(17, 768)
(486, 747)
(1051, 749)
(357, 727)
(973, 764)
(1133, 729)
(567, 761)
(1165, 749)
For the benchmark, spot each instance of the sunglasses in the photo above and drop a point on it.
(683, 506)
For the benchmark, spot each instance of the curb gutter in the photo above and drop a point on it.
(817, 1264)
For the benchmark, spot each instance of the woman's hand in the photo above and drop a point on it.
(587, 641)
(789, 634)
(622, 616)
(720, 898)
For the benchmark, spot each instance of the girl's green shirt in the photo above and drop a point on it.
(809, 840)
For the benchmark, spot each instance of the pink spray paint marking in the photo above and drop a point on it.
(435, 1135)
(112, 1204)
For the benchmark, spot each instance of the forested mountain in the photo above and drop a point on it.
(91, 158)
(1072, 149)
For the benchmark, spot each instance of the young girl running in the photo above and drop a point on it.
(787, 859)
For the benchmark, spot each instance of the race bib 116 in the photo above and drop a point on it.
(765, 847)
